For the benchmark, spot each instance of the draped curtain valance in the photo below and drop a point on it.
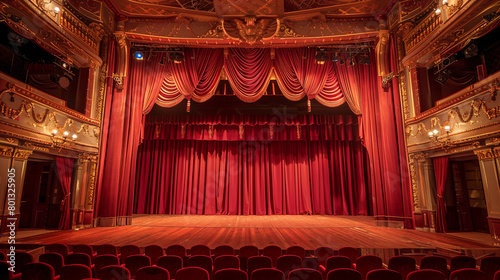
(249, 72)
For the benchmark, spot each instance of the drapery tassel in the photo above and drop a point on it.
(188, 108)
(309, 106)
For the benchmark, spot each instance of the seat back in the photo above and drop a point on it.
(335, 262)
(323, 253)
(153, 252)
(367, 263)
(198, 250)
(105, 260)
(79, 258)
(310, 262)
(288, 263)
(170, 263)
(152, 273)
(257, 262)
(22, 258)
(5, 273)
(135, 262)
(128, 250)
(459, 262)
(426, 274)
(350, 252)
(3, 256)
(37, 271)
(58, 248)
(230, 274)
(297, 251)
(273, 252)
(176, 250)
(84, 248)
(245, 253)
(343, 274)
(305, 274)
(53, 259)
(383, 274)
(113, 272)
(75, 272)
(402, 264)
(202, 261)
(490, 265)
(267, 274)
(223, 250)
(467, 274)
(436, 263)
(107, 249)
(191, 273)
(226, 261)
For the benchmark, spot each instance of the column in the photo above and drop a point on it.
(489, 160)
(424, 191)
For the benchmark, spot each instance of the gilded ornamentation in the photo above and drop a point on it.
(92, 182)
(11, 140)
(211, 131)
(241, 130)
(6, 151)
(22, 154)
(183, 131)
(414, 186)
(286, 30)
(271, 131)
(157, 131)
(496, 152)
(251, 30)
(299, 131)
(485, 154)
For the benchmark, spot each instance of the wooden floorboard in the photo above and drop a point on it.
(307, 231)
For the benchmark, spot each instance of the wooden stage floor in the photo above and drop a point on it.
(284, 231)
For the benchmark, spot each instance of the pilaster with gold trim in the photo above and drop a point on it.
(489, 160)
(424, 195)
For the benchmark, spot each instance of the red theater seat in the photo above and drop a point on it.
(459, 262)
(257, 262)
(152, 273)
(335, 262)
(135, 262)
(230, 274)
(153, 252)
(79, 258)
(107, 249)
(105, 260)
(170, 263)
(58, 248)
(267, 274)
(223, 250)
(297, 251)
(343, 274)
(468, 274)
(85, 249)
(202, 261)
(113, 272)
(383, 274)
(192, 273)
(367, 263)
(426, 274)
(402, 264)
(38, 271)
(55, 260)
(245, 253)
(22, 258)
(305, 274)
(350, 252)
(288, 263)
(273, 252)
(75, 272)
(128, 250)
(323, 253)
(436, 263)
(203, 250)
(227, 261)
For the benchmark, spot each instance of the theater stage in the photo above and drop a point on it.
(284, 231)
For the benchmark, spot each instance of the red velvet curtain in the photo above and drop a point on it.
(232, 165)
(299, 75)
(441, 172)
(64, 168)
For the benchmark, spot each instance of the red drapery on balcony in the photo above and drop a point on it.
(252, 165)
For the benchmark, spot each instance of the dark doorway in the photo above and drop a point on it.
(42, 195)
(466, 203)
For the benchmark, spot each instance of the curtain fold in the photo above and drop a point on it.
(248, 72)
(64, 168)
(241, 177)
(351, 85)
(441, 172)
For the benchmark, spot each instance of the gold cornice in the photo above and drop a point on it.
(22, 154)
(6, 151)
(485, 154)
(496, 152)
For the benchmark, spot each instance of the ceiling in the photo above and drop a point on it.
(228, 8)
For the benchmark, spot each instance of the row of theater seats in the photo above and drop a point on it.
(326, 263)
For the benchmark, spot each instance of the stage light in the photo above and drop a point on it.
(336, 57)
(176, 57)
(365, 59)
(442, 76)
(138, 55)
(321, 56)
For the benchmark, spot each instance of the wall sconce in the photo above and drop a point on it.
(445, 144)
(48, 7)
(58, 141)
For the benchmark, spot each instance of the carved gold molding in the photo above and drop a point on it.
(6, 151)
(87, 158)
(22, 154)
(92, 182)
(496, 152)
(485, 154)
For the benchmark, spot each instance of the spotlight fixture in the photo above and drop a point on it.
(138, 55)
(352, 61)
(336, 58)
(471, 50)
(161, 62)
(442, 76)
(364, 59)
(176, 57)
(321, 56)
